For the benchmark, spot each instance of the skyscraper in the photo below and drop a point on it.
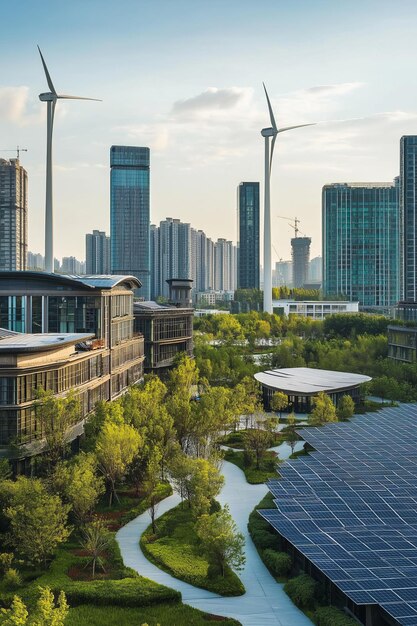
(300, 249)
(248, 235)
(154, 261)
(361, 242)
(225, 265)
(129, 214)
(97, 253)
(13, 215)
(408, 211)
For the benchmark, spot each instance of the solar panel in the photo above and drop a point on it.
(351, 507)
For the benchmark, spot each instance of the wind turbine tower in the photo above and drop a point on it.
(51, 98)
(268, 133)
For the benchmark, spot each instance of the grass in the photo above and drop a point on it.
(167, 615)
(267, 466)
(176, 549)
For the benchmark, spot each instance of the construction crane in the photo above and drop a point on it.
(18, 150)
(294, 223)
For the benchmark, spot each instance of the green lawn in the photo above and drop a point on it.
(176, 549)
(167, 615)
(255, 476)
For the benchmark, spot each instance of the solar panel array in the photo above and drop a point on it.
(351, 507)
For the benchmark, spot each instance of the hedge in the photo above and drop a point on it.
(131, 592)
(302, 590)
(278, 562)
(331, 616)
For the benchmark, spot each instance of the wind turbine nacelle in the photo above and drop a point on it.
(268, 132)
(47, 97)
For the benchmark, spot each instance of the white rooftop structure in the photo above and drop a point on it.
(316, 309)
(11, 341)
(308, 381)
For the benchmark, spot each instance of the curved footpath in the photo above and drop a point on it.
(264, 604)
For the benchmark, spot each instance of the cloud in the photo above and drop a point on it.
(211, 100)
(16, 106)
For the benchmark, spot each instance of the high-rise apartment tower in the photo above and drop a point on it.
(13, 215)
(300, 248)
(248, 235)
(129, 214)
(97, 253)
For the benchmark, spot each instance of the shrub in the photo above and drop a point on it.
(126, 592)
(12, 579)
(331, 616)
(278, 562)
(264, 539)
(301, 590)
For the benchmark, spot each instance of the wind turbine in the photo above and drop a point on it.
(273, 131)
(51, 98)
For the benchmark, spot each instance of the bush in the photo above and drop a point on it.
(12, 579)
(302, 590)
(264, 539)
(330, 616)
(126, 592)
(162, 491)
(6, 560)
(278, 562)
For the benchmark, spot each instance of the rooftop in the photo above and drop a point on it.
(150, 305)
(25, 342)
(92, 282)
(309, 381)
(351, 508)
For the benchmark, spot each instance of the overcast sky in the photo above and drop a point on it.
(184, 77)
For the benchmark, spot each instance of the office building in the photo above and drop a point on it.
(154, 261)
(300, 250)
(13, 215)
(316, 309)
(91, 317)
(129, 214)
(408, 210)
(168, 328)
(361, 243)
(248, 235)
(97, 253)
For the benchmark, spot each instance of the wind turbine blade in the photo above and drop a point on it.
(282, 130)
(271, 114)
(272, 151)
(62, 97)
(48, 78)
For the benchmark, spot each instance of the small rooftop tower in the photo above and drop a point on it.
(180, 292)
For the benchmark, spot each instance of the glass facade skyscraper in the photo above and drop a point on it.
(248, 229)
(129, 214)
(408, 209)
(361, 242)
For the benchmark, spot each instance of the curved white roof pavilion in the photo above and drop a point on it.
(307, 381)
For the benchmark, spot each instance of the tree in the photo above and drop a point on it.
(346, 408)
(38, 520)
(5, 470)
(77, 482)
(95, 541)
(117, 444)
(55, 416)
(181, 382)
(258, 440)
(291, 435)
(197, 480)
(16, 615)
(151, 483)
(323, 410)
(221, 541)
(279, 401)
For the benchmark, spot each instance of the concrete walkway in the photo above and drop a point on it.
(264, 603)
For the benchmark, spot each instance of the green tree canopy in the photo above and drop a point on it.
(221, 541)
(323, 410)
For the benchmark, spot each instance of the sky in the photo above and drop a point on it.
(184, 77)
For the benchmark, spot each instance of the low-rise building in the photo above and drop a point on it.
(402, 343)
(72, 309)
(317, 309)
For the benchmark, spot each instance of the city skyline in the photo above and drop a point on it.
(204, 124)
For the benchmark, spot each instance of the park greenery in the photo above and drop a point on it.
(230, 348)
(57, 529)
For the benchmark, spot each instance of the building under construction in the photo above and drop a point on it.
(300, 247)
